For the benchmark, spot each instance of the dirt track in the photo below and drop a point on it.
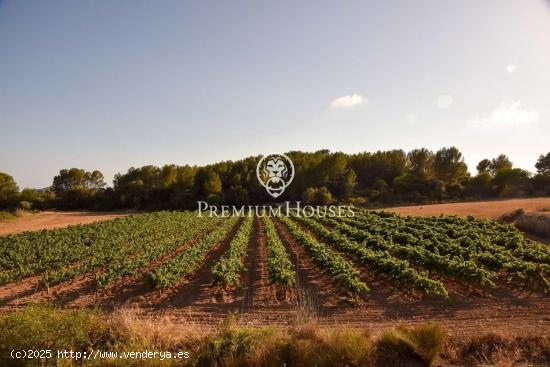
(54, 219)
(481, 209)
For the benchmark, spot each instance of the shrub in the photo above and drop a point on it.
(347, 348)
(39, 327)
(5, 216)
(423, 343)
(320, 196)
(485, 348)
(238, 346)
(311, 346)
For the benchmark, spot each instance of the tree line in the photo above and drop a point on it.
(321, 177)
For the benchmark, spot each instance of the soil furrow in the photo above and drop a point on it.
(197, 288)
(257, 292)
(311, 283)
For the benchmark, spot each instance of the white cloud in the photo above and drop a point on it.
(444, 101)
(508, 114)
(511, 68)
(411, 119)
(350, 101)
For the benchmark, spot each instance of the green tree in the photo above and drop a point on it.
(70, 179)
(511, 182)
(212, 184)
(37, 199)
(484, 166)
(75, 187)
(308, 196)
(500, 162)
(320, 196)
(350, 181)
(96, 180)
(8, 189)
(449, 166)
(543, 165)
(420, 162)
(323, 196)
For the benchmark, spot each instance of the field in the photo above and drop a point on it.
(373, 270)
(54, 219)
(490, 209)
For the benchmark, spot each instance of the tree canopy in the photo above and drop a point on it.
(386, 177)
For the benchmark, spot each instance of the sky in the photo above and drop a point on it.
(112, 84)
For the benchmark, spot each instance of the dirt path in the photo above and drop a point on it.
(55, 219)
(482, 209)
(256, 291)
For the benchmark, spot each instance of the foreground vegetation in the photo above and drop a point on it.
(39, 327)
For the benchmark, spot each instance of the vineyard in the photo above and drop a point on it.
(371, 266)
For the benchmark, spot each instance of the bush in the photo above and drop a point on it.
(485, 348)
(24, 205)
(347, 348)
(39, 327)
(5, 216)
(311, 346)
(234, 346)
(423, 343)
(320, 196)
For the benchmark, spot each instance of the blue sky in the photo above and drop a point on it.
(112, 84)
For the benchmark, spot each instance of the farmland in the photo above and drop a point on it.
(374, 268)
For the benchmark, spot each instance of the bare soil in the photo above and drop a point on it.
(55, 219)
(483, 209)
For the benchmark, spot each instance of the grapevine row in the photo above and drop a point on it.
(473, 244)
(380, 261)
(279, 267)
(340, 270)
(186, 262)
(228, 269)
(456, 267)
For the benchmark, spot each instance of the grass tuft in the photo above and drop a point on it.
(422, 344)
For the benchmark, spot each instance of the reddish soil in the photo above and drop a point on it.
(54, 219)
(197, 288)
(257, 291)
(311, 281)
(482, 209)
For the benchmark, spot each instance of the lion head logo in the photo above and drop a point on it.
(275, 172)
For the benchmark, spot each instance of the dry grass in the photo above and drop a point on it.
(160, 333)
(305, 307)
(499, 350)
(230, 345)
(421, 344)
